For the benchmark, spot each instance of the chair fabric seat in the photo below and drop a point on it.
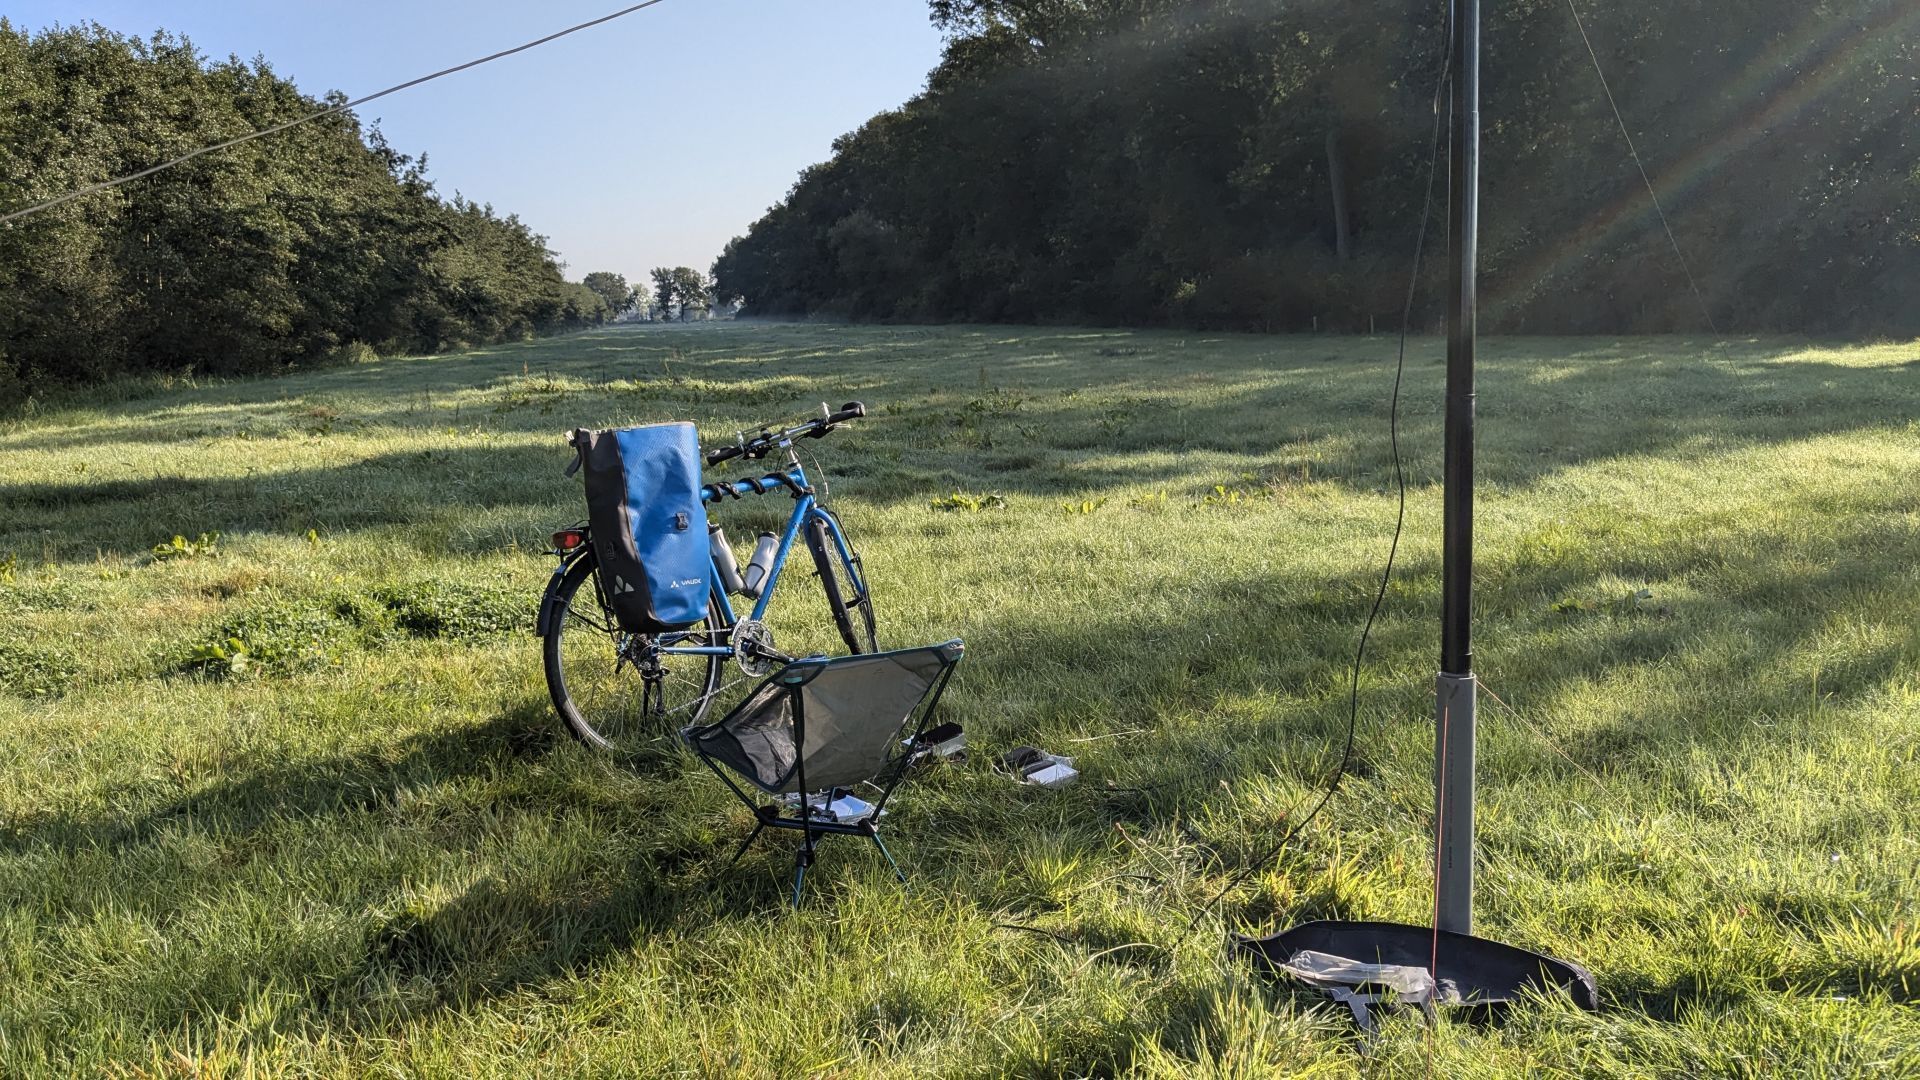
(857, 709)
(824, 725)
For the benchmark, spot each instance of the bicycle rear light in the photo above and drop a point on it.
(568, 539)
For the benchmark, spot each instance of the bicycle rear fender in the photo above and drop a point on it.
(544, 618)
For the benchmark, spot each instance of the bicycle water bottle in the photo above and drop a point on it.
(723, 559)
(759, 566)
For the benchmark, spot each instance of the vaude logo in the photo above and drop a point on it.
(620, 584)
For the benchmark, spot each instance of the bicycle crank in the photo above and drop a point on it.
(753, 648)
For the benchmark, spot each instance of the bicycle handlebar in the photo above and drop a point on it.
(762, 444)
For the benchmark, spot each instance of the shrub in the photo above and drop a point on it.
(438, 608)
(29, 597)
(284, 635)
(208, 544)
(31, 672)
(229, 657)
(971, 503)
(353, 352)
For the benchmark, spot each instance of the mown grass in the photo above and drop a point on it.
(364, 850)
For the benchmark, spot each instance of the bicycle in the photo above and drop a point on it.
(612, 687)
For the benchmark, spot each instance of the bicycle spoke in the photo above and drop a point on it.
(619, 690)
(604, 626)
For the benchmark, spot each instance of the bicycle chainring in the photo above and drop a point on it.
(753, 648)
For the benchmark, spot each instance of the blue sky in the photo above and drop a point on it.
(650, 140)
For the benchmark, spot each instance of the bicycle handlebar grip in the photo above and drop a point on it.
(852, 410)
(725, 453)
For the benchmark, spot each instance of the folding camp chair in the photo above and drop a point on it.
(819, 726)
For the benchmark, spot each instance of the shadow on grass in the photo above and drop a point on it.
(530, 927)
(507, 933)
(526, 922)
(1257, 687)
(417, 489)
(372, 779)
(1676, 999)
(1290, 643)
(1260, 411)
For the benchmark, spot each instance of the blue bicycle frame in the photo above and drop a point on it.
(805, 508)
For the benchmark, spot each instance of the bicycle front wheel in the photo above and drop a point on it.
(616, 690)
(844, 582)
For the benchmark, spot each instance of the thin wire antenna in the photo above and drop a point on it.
(321, 115)
(1440, 88)
(1547, 741)
(1640, 165)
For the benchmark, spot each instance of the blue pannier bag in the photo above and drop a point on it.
(649, 525)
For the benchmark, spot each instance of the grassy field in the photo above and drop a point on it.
(354, 844)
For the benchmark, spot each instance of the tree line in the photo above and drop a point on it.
(1261, 164)
(677, 292)
(319, 242)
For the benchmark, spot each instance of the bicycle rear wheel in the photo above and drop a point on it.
(844, 582)
(615, 690)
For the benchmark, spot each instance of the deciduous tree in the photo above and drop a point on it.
(271, 254)
(1259, 164)
(612, 288)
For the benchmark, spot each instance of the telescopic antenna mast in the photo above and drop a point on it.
(1456, 702)
(1443, 963)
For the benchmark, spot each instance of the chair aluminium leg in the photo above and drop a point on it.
(888, 855)
(745, 844)
(805, 858)
(801, 861)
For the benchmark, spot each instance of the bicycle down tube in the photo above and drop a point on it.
(802, 510)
